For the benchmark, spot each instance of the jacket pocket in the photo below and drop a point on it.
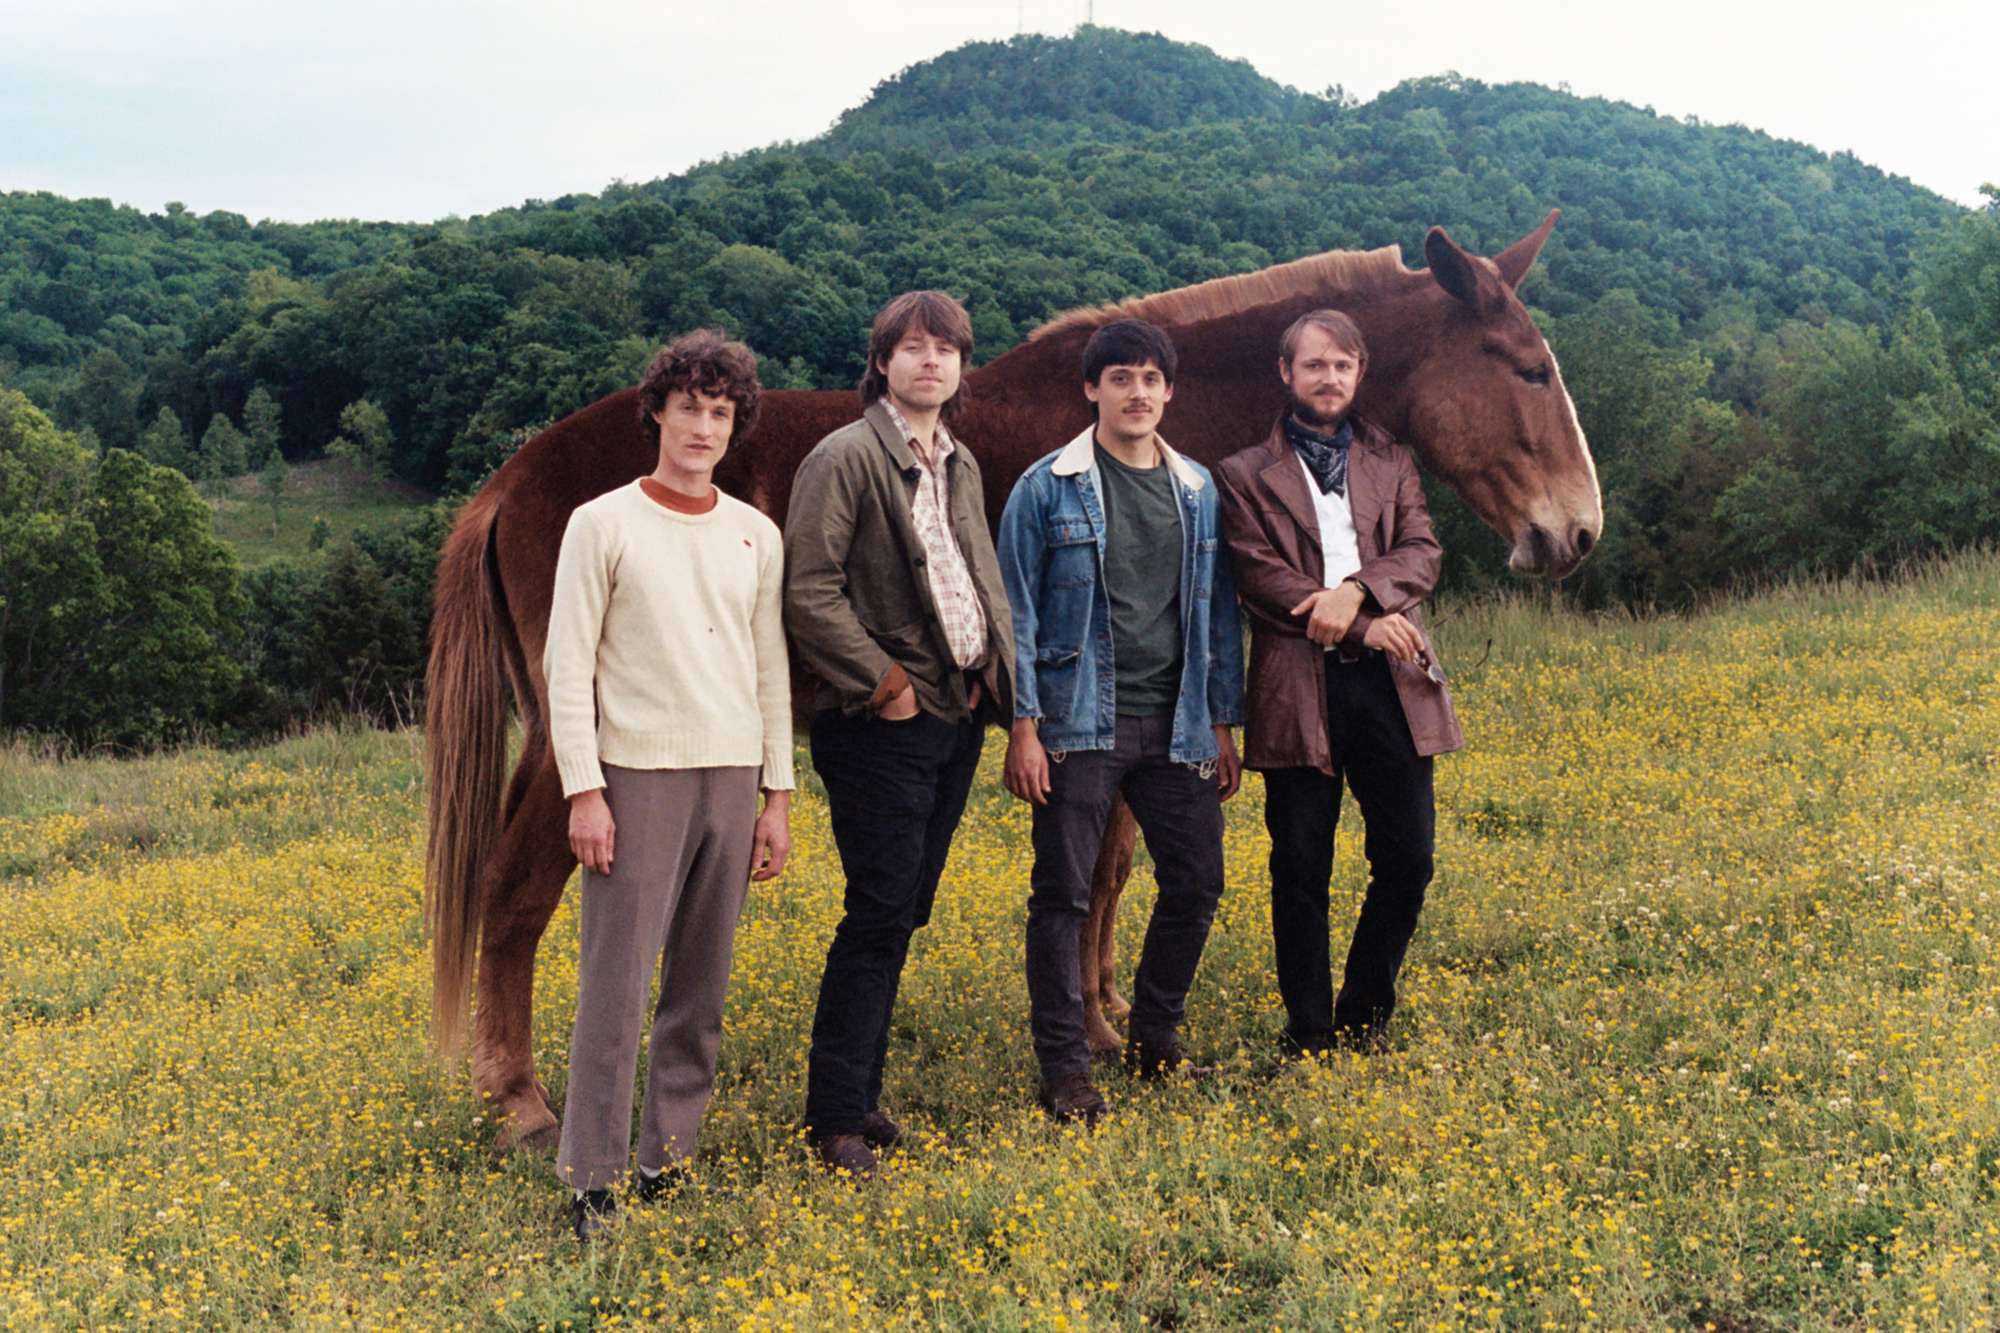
(1055, 681)
(905, 643)
(1207, 551)
(1071, 553)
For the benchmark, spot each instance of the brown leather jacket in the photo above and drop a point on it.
(1272, 532)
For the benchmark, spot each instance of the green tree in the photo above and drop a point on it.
(50, 579)
(103, 397)
(358, 645)
(1958, 279)
(118, 604)
(165, 442)
(1660, 443)
(225, 450)
(365, 439)
(275, 472)
(263, 424)
(1883, 446)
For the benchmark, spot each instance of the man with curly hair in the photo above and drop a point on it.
(669, 707)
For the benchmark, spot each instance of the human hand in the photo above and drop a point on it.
(1228, 767)
(1329, 612)
(592, 830)
(774, 837)
(1396, 636)
(1026, 772)
(900, 706)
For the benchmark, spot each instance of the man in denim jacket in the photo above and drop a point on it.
(1129, 671)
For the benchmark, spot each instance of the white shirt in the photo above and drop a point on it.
(952, 590)
(1336, 531)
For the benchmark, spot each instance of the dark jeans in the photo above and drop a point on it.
(894, 792)
(1180, 812)
(1392, 785)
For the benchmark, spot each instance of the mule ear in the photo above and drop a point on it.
(1459, 273)
(1518, 258)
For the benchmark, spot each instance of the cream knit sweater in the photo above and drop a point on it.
(666, 642)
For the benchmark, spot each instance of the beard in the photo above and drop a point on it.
(1318, 420)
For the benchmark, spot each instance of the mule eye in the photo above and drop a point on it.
(1537, 376)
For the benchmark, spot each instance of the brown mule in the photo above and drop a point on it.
(1457, 370)
(1097, 946)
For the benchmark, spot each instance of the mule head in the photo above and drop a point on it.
(1486, 409)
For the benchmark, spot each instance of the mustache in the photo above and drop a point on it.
(1304, 410)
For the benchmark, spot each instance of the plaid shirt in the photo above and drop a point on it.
(952, 590)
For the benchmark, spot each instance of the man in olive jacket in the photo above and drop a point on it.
(1332, 549)
(894, 603)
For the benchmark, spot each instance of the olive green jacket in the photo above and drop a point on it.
(857, 598)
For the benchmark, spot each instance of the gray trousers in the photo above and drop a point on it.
(680, 867)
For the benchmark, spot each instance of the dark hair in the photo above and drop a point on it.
(705, 361)
(1129, 342)
(936, 313)
(1346, 335)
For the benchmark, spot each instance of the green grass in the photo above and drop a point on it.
(347, 500)
(1699, 1031)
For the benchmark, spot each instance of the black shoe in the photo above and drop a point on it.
(879, 1132)
(672, 1183)
(1316, 1047)
(672, 1180)
(1165, 1058)
(1362, 1040)
(1068, 1097)
(591, 1212)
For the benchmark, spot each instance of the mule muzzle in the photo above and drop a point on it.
(1546, 555)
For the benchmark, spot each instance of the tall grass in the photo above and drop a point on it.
(1699, 1031)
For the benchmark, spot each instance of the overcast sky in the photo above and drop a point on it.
(416, 109)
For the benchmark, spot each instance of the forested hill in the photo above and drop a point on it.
(1037, 92)
(1166, 165)
(1785, 360)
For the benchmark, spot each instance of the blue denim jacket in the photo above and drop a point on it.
(1052, 561)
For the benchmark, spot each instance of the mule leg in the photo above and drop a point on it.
(520, 888)
(1097, 950)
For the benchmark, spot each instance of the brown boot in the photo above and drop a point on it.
(1068, 1097)
(879, 1131)
(1165, 1058)
(849, 1153)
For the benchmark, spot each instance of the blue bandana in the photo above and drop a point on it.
(1325, 455)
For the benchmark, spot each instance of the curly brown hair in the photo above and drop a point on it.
(704, 361)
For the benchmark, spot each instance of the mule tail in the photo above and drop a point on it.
(465, 748)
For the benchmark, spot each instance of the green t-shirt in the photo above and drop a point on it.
(1142, 581)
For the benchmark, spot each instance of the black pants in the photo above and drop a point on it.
(894, 793)
(1180, 812)
(1372, 750)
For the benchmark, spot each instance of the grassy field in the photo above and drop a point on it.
(346, 499)
(1700, 1032)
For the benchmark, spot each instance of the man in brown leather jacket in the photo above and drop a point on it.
(1332, 549)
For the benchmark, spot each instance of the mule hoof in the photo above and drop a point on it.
(1104, 1042)
(536, 1131)
(544, 1140)
(1116, 1007)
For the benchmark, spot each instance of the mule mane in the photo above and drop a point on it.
(1335, 271)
